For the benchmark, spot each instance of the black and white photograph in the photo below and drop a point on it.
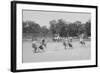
(48, 36)
(56, 36)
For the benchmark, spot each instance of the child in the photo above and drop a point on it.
(43, 45)
(82, 42)
(69, 42)
(34, 45)
(65, 43)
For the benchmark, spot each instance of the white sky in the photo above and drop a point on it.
(43, 17)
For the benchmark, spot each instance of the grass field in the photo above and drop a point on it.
(55, 52)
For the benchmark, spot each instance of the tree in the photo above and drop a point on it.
(56, 27)
(53, 26)
(31, 27)
(44, 31)
(60, 24)
(81, 29)
(64, 31)
(88, 28)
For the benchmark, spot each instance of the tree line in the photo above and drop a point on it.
(60, 26)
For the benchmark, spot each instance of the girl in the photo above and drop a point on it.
(43, 45)
(82, 42)
(34, 45)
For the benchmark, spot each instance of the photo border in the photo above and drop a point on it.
(13, 35)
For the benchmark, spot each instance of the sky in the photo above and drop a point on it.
(43, 17)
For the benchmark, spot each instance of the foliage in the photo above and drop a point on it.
(61, 27)
(70, 29)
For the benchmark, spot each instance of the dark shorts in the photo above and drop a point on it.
(70, 44)
(41, 47)
(82, 42)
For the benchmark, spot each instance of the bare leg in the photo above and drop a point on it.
(35, 50)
